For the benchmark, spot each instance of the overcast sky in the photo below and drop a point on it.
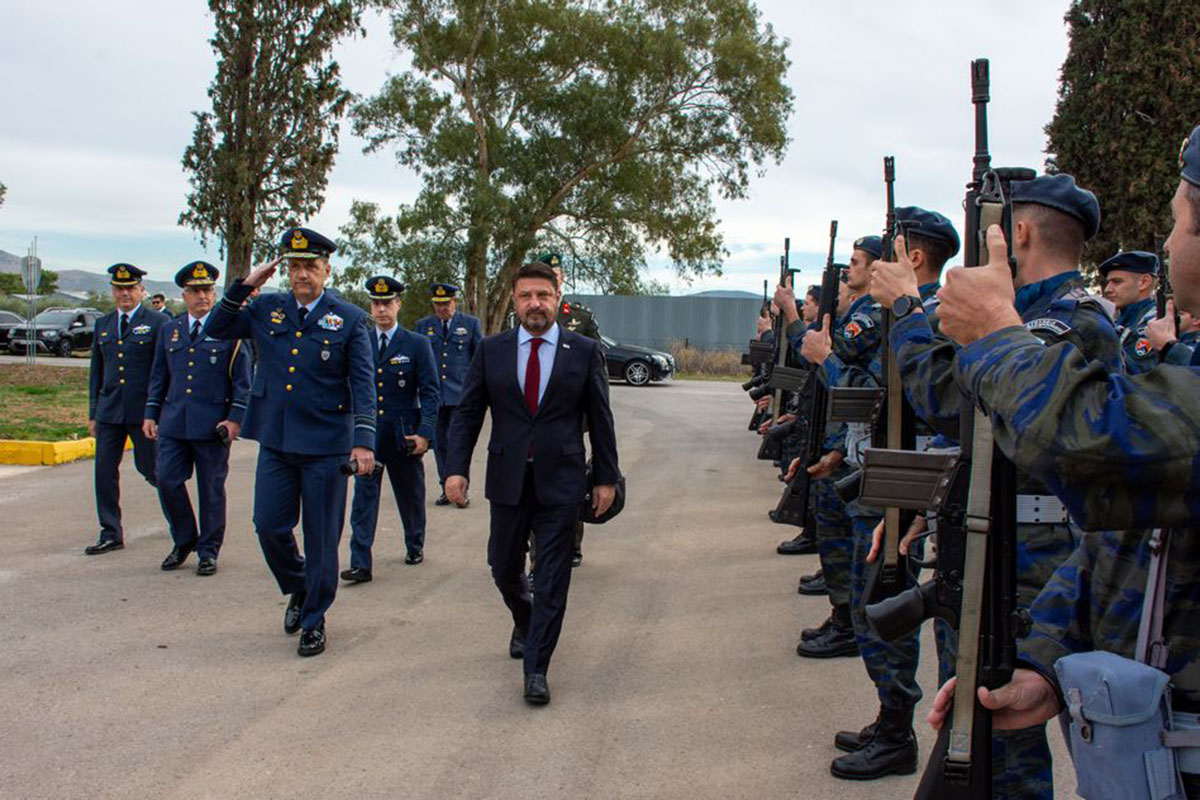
(99, 96)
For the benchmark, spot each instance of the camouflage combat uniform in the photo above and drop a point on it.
(1131, 327)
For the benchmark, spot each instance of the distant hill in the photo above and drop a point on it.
(725, 293)
(82, 281)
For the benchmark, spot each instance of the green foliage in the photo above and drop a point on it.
(48, 282)
(259, 161)
(1127, 97)
(12, 283)
(598, 129)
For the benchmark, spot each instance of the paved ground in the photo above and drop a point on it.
(80, 360)
(675, 676)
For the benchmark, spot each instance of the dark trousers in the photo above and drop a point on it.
(441, 440)
(407, 476)
(177, 458)
(110, 450)
(286, 483)
(554, 531)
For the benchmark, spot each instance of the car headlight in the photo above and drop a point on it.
(661, 361)
(50, 334)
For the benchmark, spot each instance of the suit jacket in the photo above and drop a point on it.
(195, 385)
(578, 388)
(407, 382)
(313, 390)
(120, 374)
(453, 352)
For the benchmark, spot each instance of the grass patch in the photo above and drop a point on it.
(704, 376)
(46, 403)
(712, 365)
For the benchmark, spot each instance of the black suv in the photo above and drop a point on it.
(60, 331)
(8, 322)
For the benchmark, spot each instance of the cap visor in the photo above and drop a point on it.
(307, 256)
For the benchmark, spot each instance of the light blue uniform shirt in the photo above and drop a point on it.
(546, 353)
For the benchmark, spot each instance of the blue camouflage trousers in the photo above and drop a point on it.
(892, 666)
(835, 543)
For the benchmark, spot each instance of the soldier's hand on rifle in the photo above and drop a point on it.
(894, 279)
(762, 324)
(978, 302)
(785, 299)
(817, 345)
(793, 468)
(1027, 700)
(261, 274)
(828, 463)
(762, 403)
(918, 526)
(1161, 331)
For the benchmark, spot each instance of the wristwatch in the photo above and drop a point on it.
(903, 305)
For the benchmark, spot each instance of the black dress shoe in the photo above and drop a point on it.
(312, 643)
(103, 546)
(802, 545)
(357, 575)
(576, 558)
(516, 645)
(442, 500)
(814, 587)
(175, 558)
(291, 617)
(537, 691)
(414, 557)
(207, 566)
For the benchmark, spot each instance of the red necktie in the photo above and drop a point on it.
(533, 375)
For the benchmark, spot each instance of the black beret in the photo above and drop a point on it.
(1060, 193)
(1131, 261)
(929, 224)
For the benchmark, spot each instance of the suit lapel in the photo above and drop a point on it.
(393, 344)
(290, 310)
(508, 367)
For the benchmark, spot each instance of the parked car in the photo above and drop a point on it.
(634, 364)
(9, 321)
(60, 331)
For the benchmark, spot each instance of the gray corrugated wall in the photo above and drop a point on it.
(707, 323)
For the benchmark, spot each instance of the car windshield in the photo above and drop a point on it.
(55, 318)
(607, 341)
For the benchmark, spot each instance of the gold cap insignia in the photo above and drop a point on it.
(122, 274)
(441, 291)
(554, 261)
(199, 271)
(381, 286)
(298, 241)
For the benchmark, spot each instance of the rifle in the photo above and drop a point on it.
(974, 495)
(782, 377)
(793, 505)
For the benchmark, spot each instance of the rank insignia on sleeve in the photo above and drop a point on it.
(331, 322)
(1055, 326)
(277, 317)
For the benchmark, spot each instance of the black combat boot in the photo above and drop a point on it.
(802, 545)
(813, 585)
(849, 741)
(891, 751)
(836, 640)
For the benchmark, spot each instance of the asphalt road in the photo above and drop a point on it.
(80, 360)
(675, 676)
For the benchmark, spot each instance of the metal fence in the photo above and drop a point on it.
(705, 323)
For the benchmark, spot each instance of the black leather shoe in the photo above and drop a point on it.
(516, 644)
(814, 587)
(357, 575)
(837, 641)
(851, 741)
(103, 546)
(442, 500)
(891, 751)
(175, 558)
(207, 566)
(291, 617)
(537, 691)
(802, 545)
(414, 557)
(576, 558)
(312, 643)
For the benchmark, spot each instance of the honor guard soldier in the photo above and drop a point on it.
(1129, 279)
(575, 317)
(122, 354)
(199, 388)
(312, 407)
(454, 337)
(407, 382)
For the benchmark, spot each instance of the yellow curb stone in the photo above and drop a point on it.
(13, 451)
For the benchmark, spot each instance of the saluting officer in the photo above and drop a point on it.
(312, 403)
(122, 354)
(199, 386)
(407, 382)
(455, 337)
(1129, 279)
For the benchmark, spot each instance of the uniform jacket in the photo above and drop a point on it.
(1131, 327)
(578, 318)
(313, 391)
(577, 388)
(406, 380)
(120, 373)
(195, 385)
(453, 355)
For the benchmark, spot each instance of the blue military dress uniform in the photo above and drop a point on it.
(454, 345)
(196, 382)
(312, 400)
(122, 355)
(406, 380)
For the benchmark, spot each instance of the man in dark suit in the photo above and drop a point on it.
(540, 383)
(122, 354)
(312, 406)
(407, 381)
(199, 388)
